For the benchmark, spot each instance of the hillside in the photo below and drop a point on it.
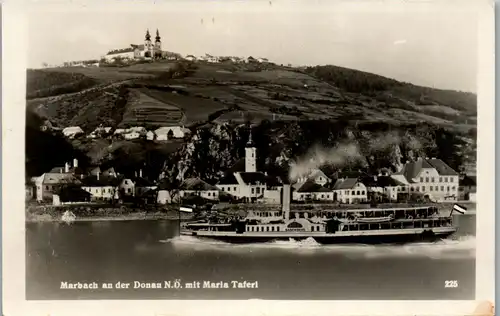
(266, 95)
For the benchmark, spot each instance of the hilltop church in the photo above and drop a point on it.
(148, 50)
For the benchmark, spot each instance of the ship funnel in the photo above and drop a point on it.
(286, 201)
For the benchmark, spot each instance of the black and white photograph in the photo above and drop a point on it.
(270, 150)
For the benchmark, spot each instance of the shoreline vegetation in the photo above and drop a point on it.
(93, 213)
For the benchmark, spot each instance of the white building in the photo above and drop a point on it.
(431, 177)
(349, 191)
(163, 133)
(198, 187)
(384, 186)
(135, 186)
(101, 187)
(150, 135)
(148, 50)
(315, 175)
(72, 131)
(311, 190)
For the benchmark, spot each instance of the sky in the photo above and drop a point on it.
(426, 43)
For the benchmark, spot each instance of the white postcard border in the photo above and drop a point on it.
(14, 50)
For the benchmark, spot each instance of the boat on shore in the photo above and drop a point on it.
(362, 226)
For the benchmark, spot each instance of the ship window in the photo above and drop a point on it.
(267, 228)
(278, 229)
(272, 228)
(312, 228)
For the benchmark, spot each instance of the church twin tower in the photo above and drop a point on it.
(152, 50)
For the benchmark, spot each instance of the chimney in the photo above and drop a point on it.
(286, 201)
(75, 162)
(98, 175)
(140, 173)
(135, 174)
(66, 167)
(375, 178)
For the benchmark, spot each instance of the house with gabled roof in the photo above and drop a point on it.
(196, 186)
(467, 188)
(350, 190)
(430, 177)
(310, 190)
(380, 187)
(102, 187)
(49, 183)
(316, 175)
(135, 186)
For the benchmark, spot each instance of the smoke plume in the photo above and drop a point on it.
(318, 156)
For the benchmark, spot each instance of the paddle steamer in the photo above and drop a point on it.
(363, 226)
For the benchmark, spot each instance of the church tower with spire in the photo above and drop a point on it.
(157, 42)
(148, 45)
(250, 155)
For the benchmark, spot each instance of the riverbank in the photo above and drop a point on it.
(103, 212)
(88, 213)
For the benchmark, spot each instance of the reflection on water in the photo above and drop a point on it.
(152, 251)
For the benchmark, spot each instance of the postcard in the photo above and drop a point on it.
(278, 157)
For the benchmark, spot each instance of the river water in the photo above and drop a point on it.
(150, 252)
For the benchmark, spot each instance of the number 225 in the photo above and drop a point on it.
(451, 283)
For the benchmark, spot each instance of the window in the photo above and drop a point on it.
(126, 182)
(451, 179)
(129, 190)
(258, 190)
(431, 187)
(322, 196)
(234, 189)
(312, 228)
(453, 188)
(421, 179)
(432, 179)
(445, 179)
(363, 192)
(437, 188)
(209, 194)
(442, 188)
(358, 193)
(253, 190)
(448, 189)
(272, 228)
(267, 228)
(412, 189)
(418, 189)
(222, 188)
(353, 192)
(278, 229)
(440, 179)
(426, 179)
(423, 189)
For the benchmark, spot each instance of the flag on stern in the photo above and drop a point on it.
(459, 208)
(186, 209)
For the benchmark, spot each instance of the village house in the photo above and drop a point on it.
(383, 188)
(431, 178)
(315, 175)
(169, 132)
(150, 135)
(100, 132)
(49, 183)
(349, 191)
(198, 187)
(467, 188)
(72, 131)
(135, 186)
(102, 187)
(167, 192)
(70, 195)
(311, 191)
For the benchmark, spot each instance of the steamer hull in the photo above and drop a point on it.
(370, 238)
